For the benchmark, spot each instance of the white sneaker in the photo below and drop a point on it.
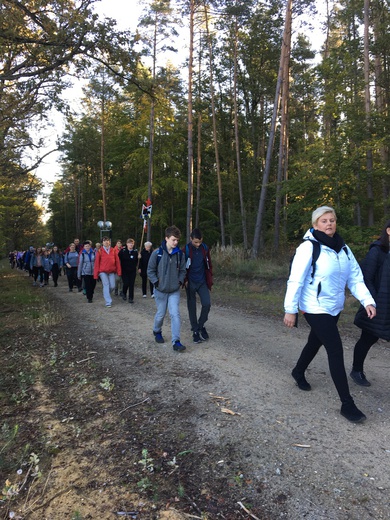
(144, 296)
(152, 296)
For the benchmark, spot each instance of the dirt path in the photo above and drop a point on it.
(295, 455)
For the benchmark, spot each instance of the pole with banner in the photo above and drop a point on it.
(145, 215)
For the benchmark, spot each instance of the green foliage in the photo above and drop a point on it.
(329, 135)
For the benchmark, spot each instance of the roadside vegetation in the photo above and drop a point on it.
(41, 376)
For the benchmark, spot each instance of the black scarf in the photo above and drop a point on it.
(336, 242)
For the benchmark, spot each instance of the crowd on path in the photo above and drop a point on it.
(165, 271)
(322, 267)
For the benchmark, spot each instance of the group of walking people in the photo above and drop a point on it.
(166, 270)
(316, 287)
(322, 267)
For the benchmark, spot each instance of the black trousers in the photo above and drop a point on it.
(89, 285)
(128, 280)
(324, 331)
(145, 284)
(363, 345)
(55, 272)
(71, 273)
(38, 272)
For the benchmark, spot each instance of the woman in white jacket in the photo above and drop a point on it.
(319, 292)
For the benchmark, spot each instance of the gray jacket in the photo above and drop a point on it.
(167, 270)
(86, 264)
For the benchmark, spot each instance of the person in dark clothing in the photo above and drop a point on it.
(143, 268)
(129, 260)
(376, 272)
(199, 280)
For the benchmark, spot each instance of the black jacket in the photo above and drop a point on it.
(376, 270)
(144, 260)
(128, 260)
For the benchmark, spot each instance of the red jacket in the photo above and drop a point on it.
(106, 263)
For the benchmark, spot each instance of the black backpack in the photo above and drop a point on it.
(315, 254)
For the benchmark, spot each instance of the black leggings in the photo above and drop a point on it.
(363, 345)
(324, 331)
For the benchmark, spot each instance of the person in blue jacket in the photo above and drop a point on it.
(320, 296)
(376, 271)
(85, 270)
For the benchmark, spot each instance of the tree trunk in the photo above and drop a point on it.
(271, 140)
(215, 137)
(283, 145)
(237, 140)
(369, 160)
(190, 124)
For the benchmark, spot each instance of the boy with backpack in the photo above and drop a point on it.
(166, 271)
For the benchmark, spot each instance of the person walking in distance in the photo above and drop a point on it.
(143, 268)
(118, 279)
(166, 271)
(85, 270)
(107, 265)
(128, 258)
(318, 290)
(71, 261)
(57, 260)
(376, 272)
(199, 280)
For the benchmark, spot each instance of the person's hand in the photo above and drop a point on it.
(371, 311)
(289, 320)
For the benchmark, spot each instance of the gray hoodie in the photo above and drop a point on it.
(168, 270)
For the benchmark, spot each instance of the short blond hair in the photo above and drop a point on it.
(317, 213)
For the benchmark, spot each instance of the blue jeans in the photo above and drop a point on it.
(171, 302)
(204, 295)
(108, 283)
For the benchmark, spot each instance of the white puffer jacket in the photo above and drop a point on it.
(325, 292)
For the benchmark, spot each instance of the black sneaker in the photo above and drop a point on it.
(301, 380)
(158, 337)
(203, 334)
(351, 412)
(124, 297)
(196, 337)
(359, 378)
(178, 346)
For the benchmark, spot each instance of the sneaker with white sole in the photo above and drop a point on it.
(203, 334)
(196, 337)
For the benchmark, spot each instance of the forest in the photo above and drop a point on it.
(243, 138)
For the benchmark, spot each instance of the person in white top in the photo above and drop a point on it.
(319, 292)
